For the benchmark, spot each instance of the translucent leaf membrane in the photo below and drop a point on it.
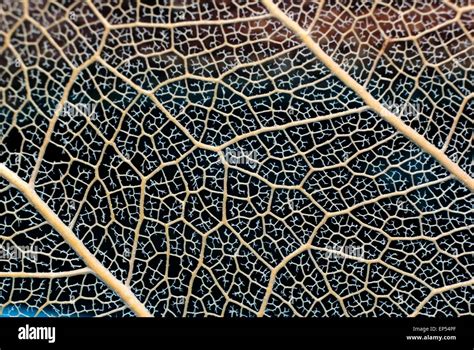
(40, 275)
(209, 163)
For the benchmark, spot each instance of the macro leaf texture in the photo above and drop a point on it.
(268, 158)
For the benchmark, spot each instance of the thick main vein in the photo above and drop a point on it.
(370, 101)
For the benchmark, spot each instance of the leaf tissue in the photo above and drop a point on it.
(272, 158)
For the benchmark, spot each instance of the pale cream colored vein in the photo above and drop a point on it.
(91, 261)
